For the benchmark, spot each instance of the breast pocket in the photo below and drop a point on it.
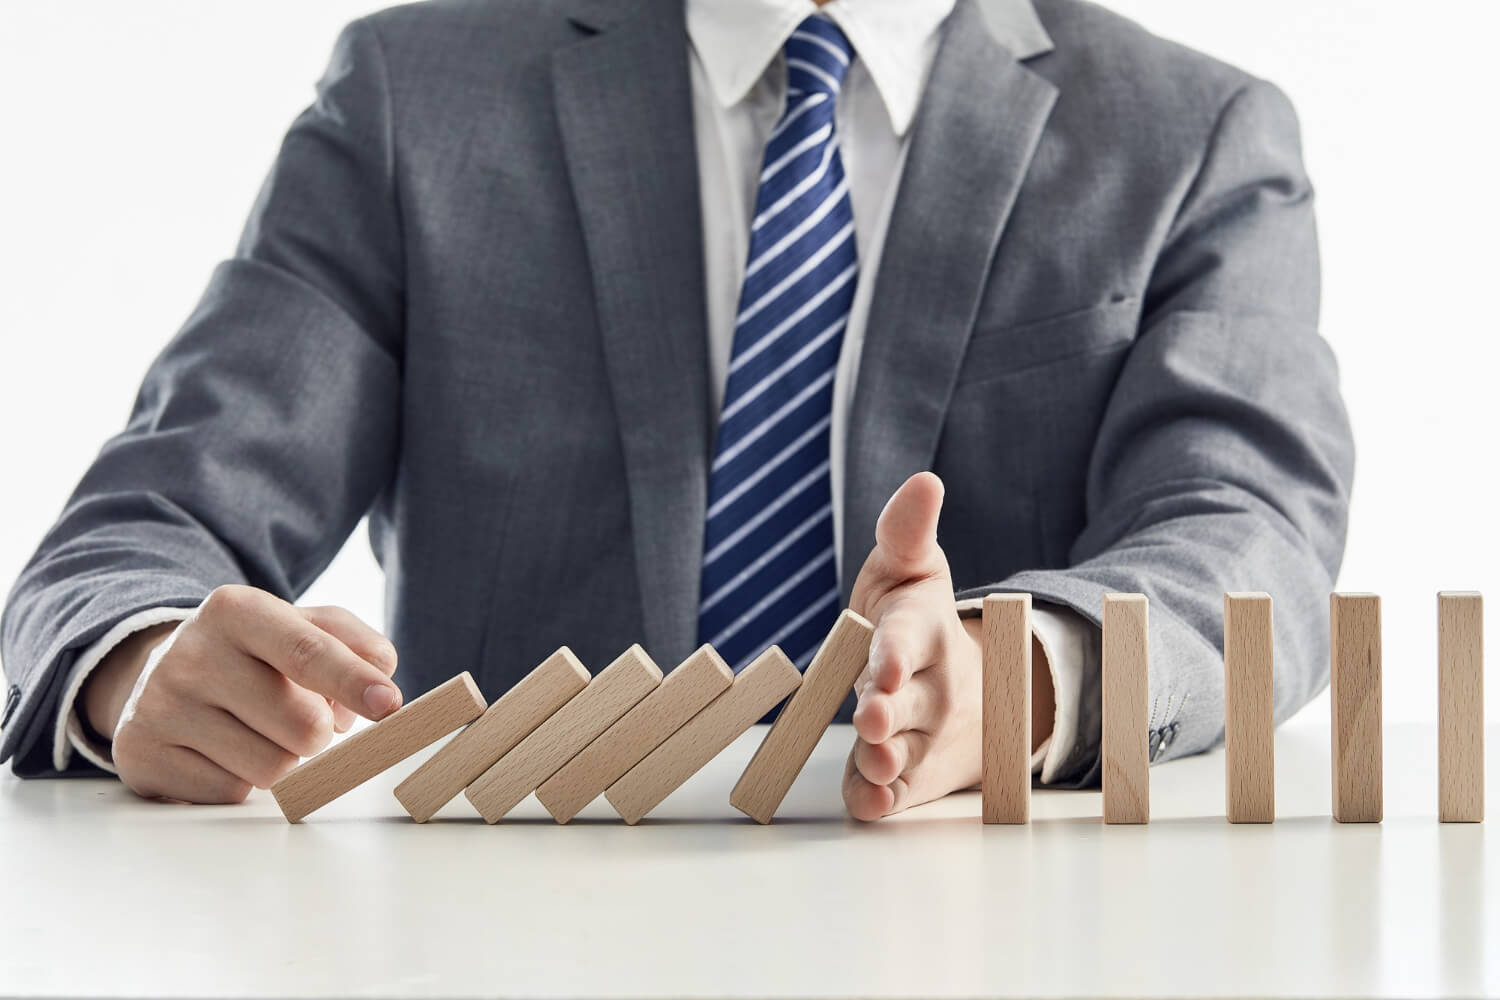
(1011, 349)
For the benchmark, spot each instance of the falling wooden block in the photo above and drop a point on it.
(698, 680)
(504, 724)
(1460, 708)
(359, 758)
(1125, 778)
(589, 713)
(1249, 750)
(796, 731)
(1354, 623)
(1006, 709)
(756, 690)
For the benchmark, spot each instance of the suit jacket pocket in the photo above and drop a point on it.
(1008, 349)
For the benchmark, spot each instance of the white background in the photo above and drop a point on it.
(133, 136)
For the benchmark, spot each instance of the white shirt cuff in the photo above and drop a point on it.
(1070, 643)
(69, 736)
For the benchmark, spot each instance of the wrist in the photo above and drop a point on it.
(108, 687)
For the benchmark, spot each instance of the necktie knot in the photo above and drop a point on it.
(817, 56)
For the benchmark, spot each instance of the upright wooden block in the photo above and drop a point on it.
(504, 724)
(1006, 709)
(756, 690)
(359, 758)
(1355, 632)
(698, 680)
(1460, 708)
(796, 731)
(1125, 778)
(1249, 707)
(589, 713)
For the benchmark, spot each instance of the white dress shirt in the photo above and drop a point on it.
(739, 92)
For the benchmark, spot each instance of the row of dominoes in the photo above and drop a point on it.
(1248, 709)
(628, 734)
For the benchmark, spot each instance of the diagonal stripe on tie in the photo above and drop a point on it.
(769, 569)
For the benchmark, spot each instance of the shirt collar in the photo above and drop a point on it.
(736, 40)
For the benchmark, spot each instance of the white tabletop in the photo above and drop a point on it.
(107, 895)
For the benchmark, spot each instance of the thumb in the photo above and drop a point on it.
(906, 533)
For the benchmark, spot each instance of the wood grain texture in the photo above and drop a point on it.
(619, 686)
(1005, 786)
(1460, 707)
(1249, 709)
(1125, 779)
(504, 724)
(756, 690)
(1354, 622)
(783, 753)
(695, 682)
(355, 760)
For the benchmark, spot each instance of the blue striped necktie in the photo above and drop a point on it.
(769, 574)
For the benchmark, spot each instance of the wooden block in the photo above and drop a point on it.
(1125, 778)
(1460, 708)
(359, 758)
(1249, 710)
(1355, 633)
(796, 731)
(589, 713)
(504, 724)
(1006, 709)
(756, 690)
(698, 680)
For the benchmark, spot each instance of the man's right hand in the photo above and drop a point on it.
(236, 694)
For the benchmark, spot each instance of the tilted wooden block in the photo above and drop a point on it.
(1357, 767)
(1249, 710)
(1125, 780)
(504, 724)
(619, 686)
(695, 682)
(1006, 709)
(1460, 708)
(756, 690)
(368, 752)
(796, 731)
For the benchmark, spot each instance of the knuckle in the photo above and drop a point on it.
(305, 651)
(226, 601)
(310, 725)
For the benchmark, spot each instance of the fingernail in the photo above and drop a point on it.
(381, 700)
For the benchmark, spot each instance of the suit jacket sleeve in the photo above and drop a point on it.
(1224, 460)
(263, 431)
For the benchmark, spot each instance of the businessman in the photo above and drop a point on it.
(691, 321)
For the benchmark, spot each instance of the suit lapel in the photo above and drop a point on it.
(981, 116)
(624, 109)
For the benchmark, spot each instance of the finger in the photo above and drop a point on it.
(343, 719)
(238, 749)
(181, 774)
(885, 763)
(865, 801)
(910, 635)
(365, 642)
(259, 696)
(272, 631)
(880, 715)
(906, 532)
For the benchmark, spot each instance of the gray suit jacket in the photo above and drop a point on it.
(470, 302)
